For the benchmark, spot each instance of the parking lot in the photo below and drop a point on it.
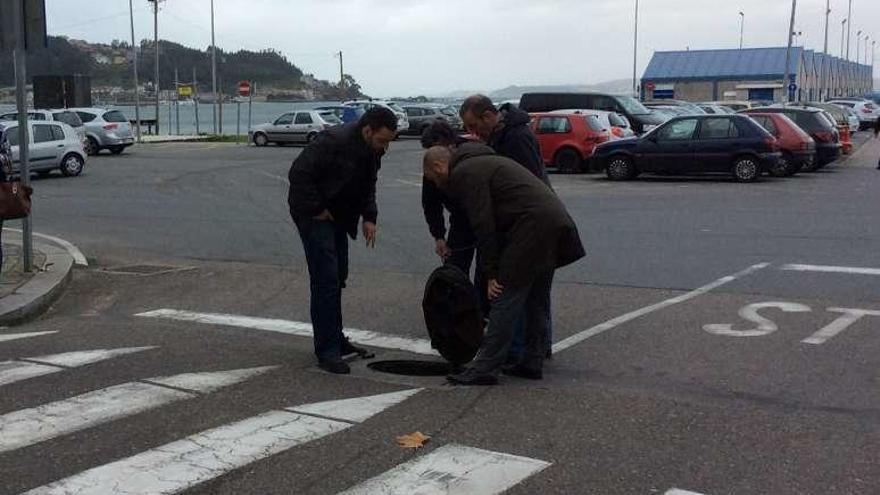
(718, 338)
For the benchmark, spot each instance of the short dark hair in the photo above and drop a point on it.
(439, 133)
(377, 118)
(477, 105)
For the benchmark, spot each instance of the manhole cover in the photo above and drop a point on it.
(145, 270)
(412, 368)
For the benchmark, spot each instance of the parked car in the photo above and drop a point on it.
(105, 130)
(402, 119)
(697, 144)
(737, 105)
(838, 117)
(62, 115)
(422, 115)
(712, 109)
(568, 140)
(798, 148)
(53, 145)
(613, 122)
(691, 108)
(293, 127)
(344, 113)
(867, 112)
(852, 118)
(673, 110)
(640, 118)
(813, 122)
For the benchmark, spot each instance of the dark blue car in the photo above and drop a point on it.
(698, 144)
(346, 113)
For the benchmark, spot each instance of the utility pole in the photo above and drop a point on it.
(196, 101)
(156, 48)
(742, 26)
(341, 77)
(20, 62)
(786, 81)
(134, 58)
(848, 29)
(842, 33)
(636, 52)
(177, 101)
(213, 71)
(858, 44)
(823, 83)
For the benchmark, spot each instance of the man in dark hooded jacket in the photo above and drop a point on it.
(524, 233)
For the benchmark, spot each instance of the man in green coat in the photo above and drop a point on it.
(524, 233)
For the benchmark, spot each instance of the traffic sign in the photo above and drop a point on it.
(792, 87)
(184, 91)
(244, 88)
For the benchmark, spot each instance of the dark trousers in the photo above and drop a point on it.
(463, 245)
(528, 303)
(326, 248)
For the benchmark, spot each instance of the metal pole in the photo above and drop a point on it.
(842, 34)
(20, 63)
(341, 78)
(134, 57)
(848, 29)
(636, 52)
(177, 100)
(219, 103)
(238, 122)
(823, 83)
(156, 48)
(196, 100)
(742, 26)
(250, 104)
(214, 76)
(858, 44)
(786, 81)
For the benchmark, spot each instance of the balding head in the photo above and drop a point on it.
(436, 164)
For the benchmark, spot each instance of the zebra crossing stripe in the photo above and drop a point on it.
(15, 336)
(453, 470)
(15, 371)
(298, 328)
(182, 464)
(30, 426)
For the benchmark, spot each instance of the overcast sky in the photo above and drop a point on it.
(411, 47)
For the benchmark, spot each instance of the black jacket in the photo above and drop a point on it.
(336, 172)
(515, 140)
(522, 228)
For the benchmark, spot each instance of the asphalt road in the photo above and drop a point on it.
(719, 338)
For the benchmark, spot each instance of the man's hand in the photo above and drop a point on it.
(495, 289)
(442, 249)
(370, 234)
(325, 216)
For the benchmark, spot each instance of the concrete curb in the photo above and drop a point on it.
(36, 295)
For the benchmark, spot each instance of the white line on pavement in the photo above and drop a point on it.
(355, 410)
(179, 465)
(15, 336)
(78, 257)
(676, 491)
(29, 426)
(608, 325)
(453, 470)
(831, 269)
(363, 337)
(15, 371)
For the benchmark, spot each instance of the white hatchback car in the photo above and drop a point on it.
(69, 117)
(617, 125)
(867, 111)
(293, 127)
(53, 145)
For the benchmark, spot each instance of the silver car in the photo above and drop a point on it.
(105, 130)
(293, 127)
(53, 145)
(69, 117)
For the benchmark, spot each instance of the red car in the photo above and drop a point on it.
(798, 148)
(568, 141)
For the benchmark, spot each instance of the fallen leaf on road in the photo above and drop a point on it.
(415, 440)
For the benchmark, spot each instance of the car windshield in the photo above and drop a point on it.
(449, 111)
(594, 123)
(115, 116)
(330, 117)
(396, 107)
(68, 118)
(632, 106)
(617, 121)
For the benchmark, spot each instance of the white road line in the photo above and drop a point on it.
(453, 470)
(676, 491)
(78, 257)
(355, 410)
(29, 426)
(15, 336)
(180, 465)
(276, 177)
(16, 371)
(608, 325)
(409, 182)
(363, 337)
(831, 269)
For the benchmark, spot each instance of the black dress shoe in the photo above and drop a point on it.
(338, 367)
(348, 349)
(523, 372)
(468, 377)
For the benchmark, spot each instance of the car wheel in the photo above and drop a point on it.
(261, 139)
(91, 147)
(746, 169)
(783, 167)
(72, 165)
(311, 137)
(620, 168)
(812, 166)
(117, 149)
(568, 161)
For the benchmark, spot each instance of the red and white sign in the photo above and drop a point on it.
(244, 88)
(650, 86)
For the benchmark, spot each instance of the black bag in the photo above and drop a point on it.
(452, 315)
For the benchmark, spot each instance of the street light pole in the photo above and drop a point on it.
(213, 70)
(823, 84)
(848, 29)
(742, 25)
(858, 44)
(786, 81)
(842, 33)
(636, 53)
(156, 48)
(134, 58)
(20, 63)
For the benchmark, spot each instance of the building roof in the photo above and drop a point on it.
(748, 63)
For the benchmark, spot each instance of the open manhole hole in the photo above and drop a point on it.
(412, 368)
(146, 270)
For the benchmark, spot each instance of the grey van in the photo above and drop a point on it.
(641, 118)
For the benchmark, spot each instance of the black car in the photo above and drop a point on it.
(811, 120)
(698, 144)
(640, 118)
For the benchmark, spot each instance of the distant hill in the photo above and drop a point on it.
(514, 92)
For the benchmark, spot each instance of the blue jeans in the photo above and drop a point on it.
(326, 249)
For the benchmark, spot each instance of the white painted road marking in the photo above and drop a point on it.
(77, 255)
(750, 313)
(608, 325)
(363, 337)
(850, 316)
(676, 491)
(185, 463)
(29, 426)
(831, 269)
(15, 336)
(15, 371)
(355, 410)
(453, 470)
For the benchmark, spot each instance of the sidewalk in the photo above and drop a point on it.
(24, 296)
